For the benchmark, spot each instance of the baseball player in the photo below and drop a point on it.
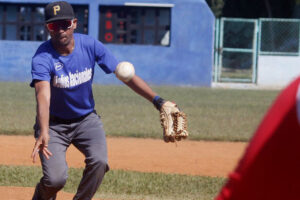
(62, 75)
(270, 166)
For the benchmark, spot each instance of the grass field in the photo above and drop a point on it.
(213, 114)
(119, 184)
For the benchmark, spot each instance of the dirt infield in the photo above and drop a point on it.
(145, 155)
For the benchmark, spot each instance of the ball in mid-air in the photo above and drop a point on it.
(125, 71)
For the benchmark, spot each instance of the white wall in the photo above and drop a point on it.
(277, 71)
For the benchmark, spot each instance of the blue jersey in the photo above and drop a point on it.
(71, 76)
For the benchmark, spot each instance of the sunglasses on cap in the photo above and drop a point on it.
(57, 25)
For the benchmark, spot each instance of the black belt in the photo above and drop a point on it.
(68, 121)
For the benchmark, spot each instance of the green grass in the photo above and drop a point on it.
(118, 184)
(213, 114)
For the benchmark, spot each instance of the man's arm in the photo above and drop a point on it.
(42, 91)
(172, 119)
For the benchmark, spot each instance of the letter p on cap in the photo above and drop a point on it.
(55, 9)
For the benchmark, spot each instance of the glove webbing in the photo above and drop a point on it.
(180, 123)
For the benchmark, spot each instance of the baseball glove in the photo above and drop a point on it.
(173, 122)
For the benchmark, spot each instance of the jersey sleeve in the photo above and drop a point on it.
(104, 58)
(40, 70)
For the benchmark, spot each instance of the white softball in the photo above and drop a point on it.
(125, 71)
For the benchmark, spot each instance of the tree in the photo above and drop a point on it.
(216, 7)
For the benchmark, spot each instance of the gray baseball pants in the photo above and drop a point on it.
(88, 137)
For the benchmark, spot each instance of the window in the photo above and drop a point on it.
(135, 25)
(26, 21)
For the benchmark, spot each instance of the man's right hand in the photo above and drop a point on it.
(41, 144)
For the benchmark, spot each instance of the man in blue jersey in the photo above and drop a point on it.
(62, 75)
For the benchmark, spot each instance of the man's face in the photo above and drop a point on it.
(61, 32)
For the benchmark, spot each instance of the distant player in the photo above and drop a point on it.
(270, 167)
(62, 75)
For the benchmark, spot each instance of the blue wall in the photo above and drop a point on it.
(188, 61)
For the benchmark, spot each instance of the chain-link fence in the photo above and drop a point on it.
(279, 36)
(239, 42)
